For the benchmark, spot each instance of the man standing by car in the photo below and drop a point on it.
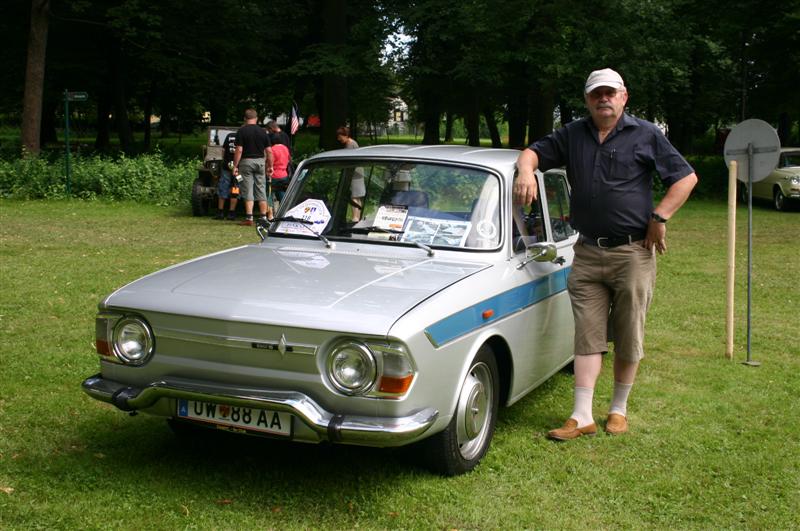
(610, 159)
(253, 161)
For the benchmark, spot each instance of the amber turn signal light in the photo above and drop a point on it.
(395, 385)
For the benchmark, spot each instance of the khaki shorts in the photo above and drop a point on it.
(611, 290)
(254, 180)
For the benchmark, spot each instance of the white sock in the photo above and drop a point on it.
(619, 404)
(583, 406)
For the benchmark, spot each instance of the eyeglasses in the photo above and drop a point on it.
(610, 93)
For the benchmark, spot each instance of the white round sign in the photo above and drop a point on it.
(757, 139)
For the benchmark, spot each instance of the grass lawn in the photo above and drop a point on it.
(713, 443)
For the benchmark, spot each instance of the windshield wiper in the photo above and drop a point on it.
(423, 247)
(305, 223)
(292, 218)
(372, 228)
(375, 228)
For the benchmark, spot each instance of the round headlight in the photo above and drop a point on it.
(352, 368)
(133, 341)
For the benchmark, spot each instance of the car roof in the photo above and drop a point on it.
(491, 157)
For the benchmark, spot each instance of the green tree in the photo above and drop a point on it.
(34, 76)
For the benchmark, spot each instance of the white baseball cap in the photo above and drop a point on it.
(603, 78)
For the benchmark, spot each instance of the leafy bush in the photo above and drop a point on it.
(147, 178)
(713, 176)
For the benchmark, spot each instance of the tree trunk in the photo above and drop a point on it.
(784, 128)
(565, 110)
(34, 77)
(541, 112)
(491, 123)
(472, 120)
(148, 112)
(334, 87)
(448, 126)
(103, 139)
(430, 117)
(120, 101)
(517, 120)
(165, 124)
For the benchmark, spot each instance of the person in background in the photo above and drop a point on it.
(358, 188)
(227, 187)
(253, 161)
(610, 158)
(277, 135)
(280, 178)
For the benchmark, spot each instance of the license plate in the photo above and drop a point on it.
(246, 418)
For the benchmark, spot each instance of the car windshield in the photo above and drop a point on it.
(790, 159)
(394, 203)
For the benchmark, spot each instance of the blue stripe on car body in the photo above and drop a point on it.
(502, 305)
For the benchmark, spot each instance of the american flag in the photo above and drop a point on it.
(294, 124)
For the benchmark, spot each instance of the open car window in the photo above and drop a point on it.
(528, 225)
(396, 202)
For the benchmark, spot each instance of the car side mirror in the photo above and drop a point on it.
(541, 252)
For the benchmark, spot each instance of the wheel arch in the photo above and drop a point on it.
(505, 365)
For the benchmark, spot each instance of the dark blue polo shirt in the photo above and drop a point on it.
(612, 182)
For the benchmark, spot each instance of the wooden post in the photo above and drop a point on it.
(729, 328)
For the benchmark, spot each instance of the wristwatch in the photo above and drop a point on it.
(658, 217)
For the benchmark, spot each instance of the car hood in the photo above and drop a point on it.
(352, 291)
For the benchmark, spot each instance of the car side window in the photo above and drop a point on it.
(528, 225)
(558, 206)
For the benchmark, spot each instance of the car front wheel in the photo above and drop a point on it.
(778, 199)
(461, 446)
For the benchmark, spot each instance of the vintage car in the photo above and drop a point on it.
(399, 297)
(204, 187)
(782, 186)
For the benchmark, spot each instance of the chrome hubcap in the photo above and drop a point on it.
(474, 411)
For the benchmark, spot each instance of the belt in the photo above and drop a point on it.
(607, 242)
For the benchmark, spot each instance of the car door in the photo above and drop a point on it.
(547, 323)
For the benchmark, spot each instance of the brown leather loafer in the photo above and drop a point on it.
(570, 430)
(616, 424)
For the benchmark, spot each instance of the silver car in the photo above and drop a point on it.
(400, 297)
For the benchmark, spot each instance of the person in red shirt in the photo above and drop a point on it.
(280, 177)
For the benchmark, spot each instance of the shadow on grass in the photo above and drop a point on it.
(143, 448)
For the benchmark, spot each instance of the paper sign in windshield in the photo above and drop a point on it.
(313, 211)
(432, 231)
(391, 217)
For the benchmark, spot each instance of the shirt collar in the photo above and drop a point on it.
(625, 120)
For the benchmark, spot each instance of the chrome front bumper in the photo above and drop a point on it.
(326, 426)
